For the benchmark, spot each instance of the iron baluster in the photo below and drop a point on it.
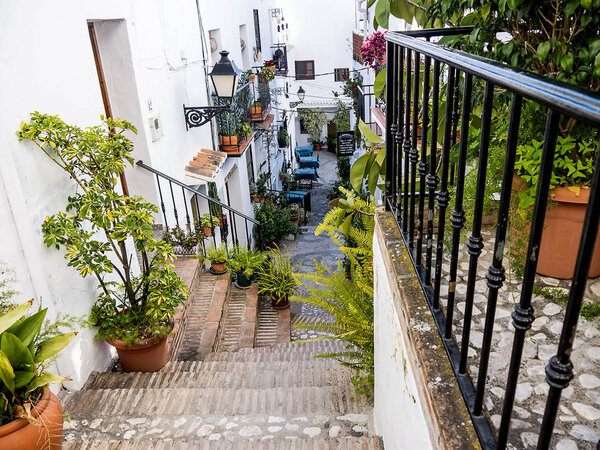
(523, 314)
(187, 214)
(406, 146)
(443, 195)
(247, 235)
(423, 161)
(162, 203)
(475, 241)
(399, 80)
(454, 117)
(559, 371)
(390, 129)
(432, 178)
(457, 218)
(414, 154)
(213, 233)
(174, 205)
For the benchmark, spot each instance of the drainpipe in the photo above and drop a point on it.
(204, 66)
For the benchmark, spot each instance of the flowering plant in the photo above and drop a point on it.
(269, 62)
(373, 50)
(350, 89)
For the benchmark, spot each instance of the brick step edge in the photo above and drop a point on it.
(320, 443)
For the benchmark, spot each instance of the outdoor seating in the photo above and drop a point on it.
(301, 151)
(306, 175)
(309, 162)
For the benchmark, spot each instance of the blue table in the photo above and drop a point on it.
(309, 161)
(302, 199)
(306, 150)
(306, 174)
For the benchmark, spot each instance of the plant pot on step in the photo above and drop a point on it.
(242, 281)
(207, 231)
(280, 302)
(273, 244)
(217, 268)
(562, 231)
(22, 435)
(149, 355)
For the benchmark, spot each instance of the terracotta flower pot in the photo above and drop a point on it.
(256, 112)
(149, 355)
(256, 198)
(251, 78)
(22, 435)
(562, 232)
(207, 231)
(217, 268)
(281, 302)
(229, 143)
(222, 220)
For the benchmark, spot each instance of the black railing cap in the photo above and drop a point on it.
(557, 95)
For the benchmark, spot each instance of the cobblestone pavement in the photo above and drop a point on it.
(578, 421)
(307, 247)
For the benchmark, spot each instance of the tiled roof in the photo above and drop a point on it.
(206, 164)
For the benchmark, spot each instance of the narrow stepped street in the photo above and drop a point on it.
(235, 381)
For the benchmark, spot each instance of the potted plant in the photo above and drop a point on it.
(244, 263)
(274, 223)
(569, 193)
(134, 309)
(215, 209)
(294, 212)
(208, 222)
(251, 76)
(258, 189)
(228, 122)
(314, 120)
(277, 278)
(256, 110)
(331, 143)
(282, 138)
(217, 256)
(184, 242)
(244, 130)
(373, 50)
(267, 74)
(270, 63)
(30, 415)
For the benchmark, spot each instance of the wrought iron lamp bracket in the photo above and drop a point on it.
(294, 104)
(196, 116)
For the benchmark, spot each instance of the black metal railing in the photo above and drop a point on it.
(280, 58)
(183, 206)
(413, 66)
(366, 101)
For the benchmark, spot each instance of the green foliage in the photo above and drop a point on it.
(274, 222)
(283, 137)
(370, 167)
(208, 220)
(99, 221)
(267, 74)
(217, 254)
(213, 193)
(187, 239)
(350, 89)
(244, 129)
(6, 290)
(243, 260)
(259, 188)
(277, 277)
(24, 357)
(313, 120)
(341, 119)
(347, 296)
(343, 177)
(589, 310)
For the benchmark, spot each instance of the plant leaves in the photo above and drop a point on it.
(373, 177)
(542, 50)
(52, 346)
(369, 134)
(7, 374)
(382, 13)
(8, 319)
(379, 83)
(357, 172)
(44, 380)
(571, 6)
(27, 329)
(16, 352)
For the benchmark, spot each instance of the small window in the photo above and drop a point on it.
(305, 70)
(341, 74)
(257, 31)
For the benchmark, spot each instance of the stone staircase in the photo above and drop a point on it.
(236, 383)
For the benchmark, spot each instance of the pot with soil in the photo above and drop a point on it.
(149, 355)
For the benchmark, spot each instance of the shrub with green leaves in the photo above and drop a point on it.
(245, 261)
(98, 223)
(274, 222)
(24, 357)
(277, 278)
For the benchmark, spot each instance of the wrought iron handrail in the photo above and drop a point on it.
(232, 213)
(409, 65)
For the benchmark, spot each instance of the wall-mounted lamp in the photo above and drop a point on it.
(224, 76)
(301, 93)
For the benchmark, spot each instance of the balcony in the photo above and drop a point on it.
(280, 57)
(235, 133)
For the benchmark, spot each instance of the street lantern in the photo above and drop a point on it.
(301, 93)
(225, 76)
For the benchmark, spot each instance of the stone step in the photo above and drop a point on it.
(99, 403)
(281, 352)
(299, 443)
(237, 327)
(313, 372)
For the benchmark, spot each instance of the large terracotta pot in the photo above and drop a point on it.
(562, 232)
(146, 356)
(218, 268)
(281, 302)
(22, 435)
(229, 144)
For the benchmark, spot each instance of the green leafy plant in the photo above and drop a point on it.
(209, 221)
(216, 254)
(245, 261)
(313, 120)
(274, 222)
(215, 209)
(99, 221)
(186, 239)
(341, 118)
(283, 137)
(267, 74)
(24, 359)
(259, 188)
(347, 294)
(277, 277)
(370, 167)
(244, 129)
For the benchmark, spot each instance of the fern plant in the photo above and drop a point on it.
(347, 294)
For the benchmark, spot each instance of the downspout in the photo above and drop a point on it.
(204, 66)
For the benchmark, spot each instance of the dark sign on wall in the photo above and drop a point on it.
(345, 143)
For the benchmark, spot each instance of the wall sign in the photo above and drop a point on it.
(345, 143)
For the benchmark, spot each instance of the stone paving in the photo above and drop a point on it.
(578, 421)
